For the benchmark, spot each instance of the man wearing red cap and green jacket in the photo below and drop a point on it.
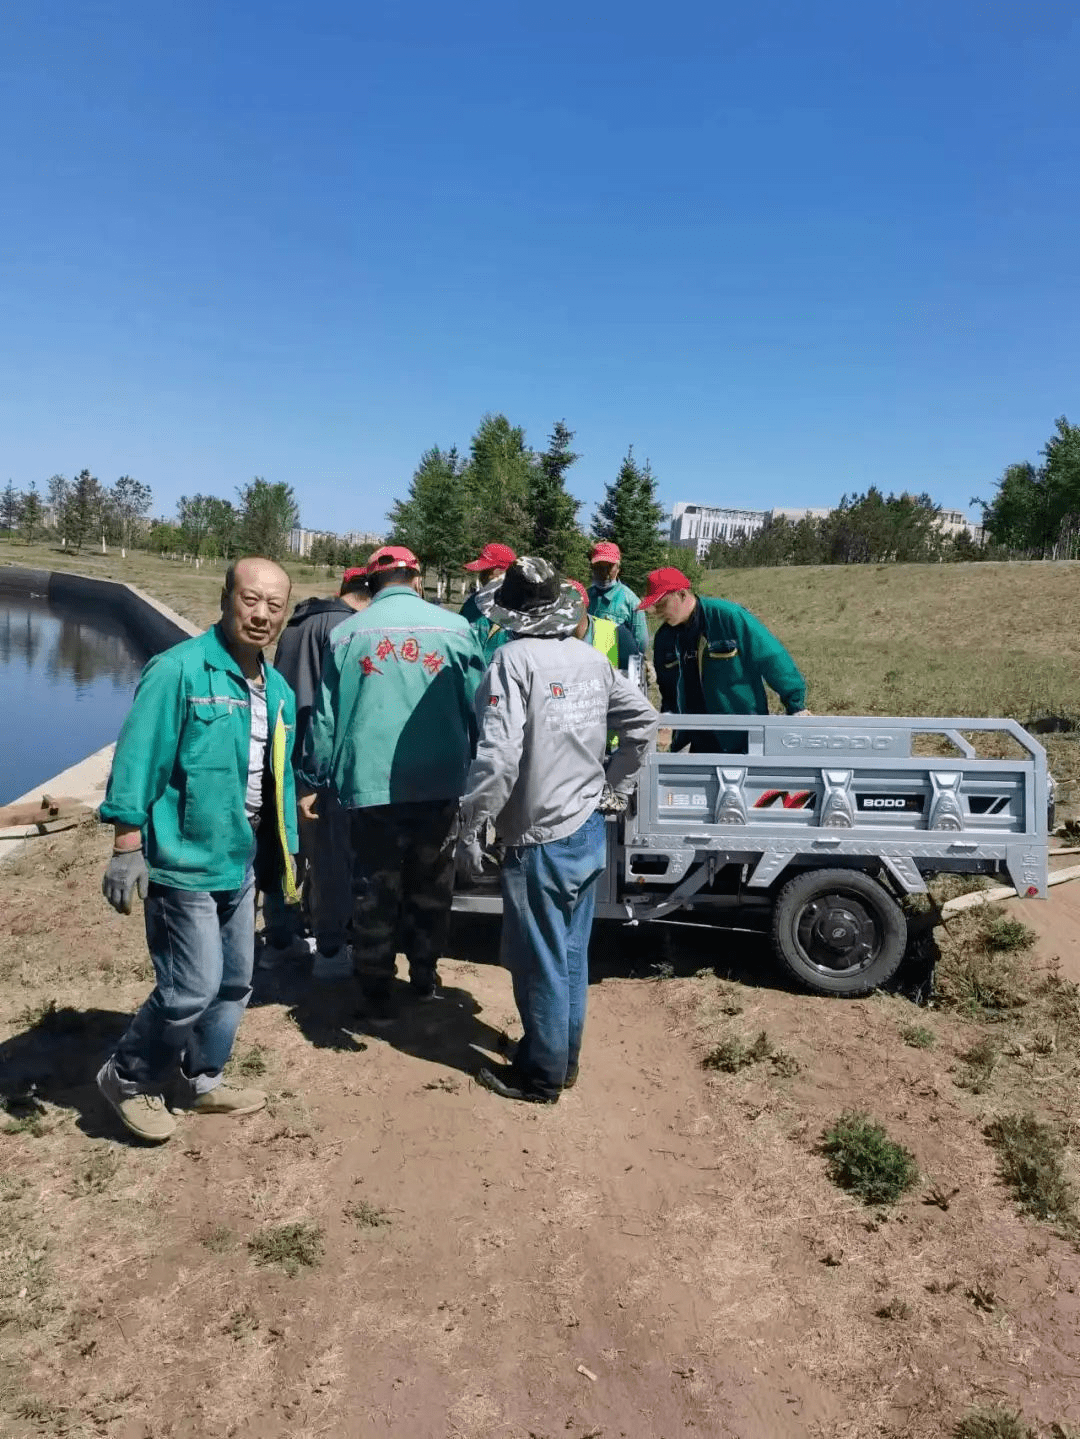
(392, 730)
(609, 598)
(714, 657)
(490, 564)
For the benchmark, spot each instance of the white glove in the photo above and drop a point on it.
(800, 714)
(471, 860)
(611, 802)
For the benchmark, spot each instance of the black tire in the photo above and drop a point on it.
(838, 931)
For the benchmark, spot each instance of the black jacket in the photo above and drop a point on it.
(299, 654)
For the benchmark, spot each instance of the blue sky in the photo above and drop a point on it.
(786, 249)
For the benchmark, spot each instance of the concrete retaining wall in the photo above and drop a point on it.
(152, 627)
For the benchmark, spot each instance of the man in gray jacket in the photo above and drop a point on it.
(545, 709)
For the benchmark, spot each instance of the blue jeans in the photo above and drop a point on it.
(203, 949)
(549, 896)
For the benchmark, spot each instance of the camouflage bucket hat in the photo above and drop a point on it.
(531, 600)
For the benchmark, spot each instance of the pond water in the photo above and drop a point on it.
(67, 677)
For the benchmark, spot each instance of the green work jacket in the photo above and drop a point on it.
(736, 657)
(490, 635)
(619, 603)
(392, 720)
(181, 763)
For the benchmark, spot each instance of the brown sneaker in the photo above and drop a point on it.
(146, 1115)
(228, 1098)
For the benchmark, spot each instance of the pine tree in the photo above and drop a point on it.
(431, 521)
(9, 509)
(631, 515)
(496, 483)
(31, 514)
(552, 512)
(80, 512)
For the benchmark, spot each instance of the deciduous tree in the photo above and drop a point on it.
(267, 514)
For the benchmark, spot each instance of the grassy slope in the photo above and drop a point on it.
(980, 639)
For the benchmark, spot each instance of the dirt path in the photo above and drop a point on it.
(669, 1229)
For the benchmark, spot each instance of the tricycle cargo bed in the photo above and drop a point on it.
(897, 799)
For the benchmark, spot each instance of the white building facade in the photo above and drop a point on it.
(698, 527)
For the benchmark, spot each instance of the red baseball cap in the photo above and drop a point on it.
(582, 591)
(663, 582)
(605, 552)
(357, 572)
(392, 557)
(493, 557)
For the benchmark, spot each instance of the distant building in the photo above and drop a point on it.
(300, 541)
(698, 527)
(954, 522)
(794, 516)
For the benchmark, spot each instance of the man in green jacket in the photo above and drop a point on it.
(714, 657)
(609, 598)
(201, 796)
(392, 730)
(490, 564)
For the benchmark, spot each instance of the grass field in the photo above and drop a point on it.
(978, 639)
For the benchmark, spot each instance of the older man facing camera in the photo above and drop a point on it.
(200, 797)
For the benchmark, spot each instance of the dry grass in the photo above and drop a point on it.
(979, 972)
(918, 640)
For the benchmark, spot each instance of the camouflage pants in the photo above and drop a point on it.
(403, 885)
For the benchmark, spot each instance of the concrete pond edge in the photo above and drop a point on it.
(153, 625)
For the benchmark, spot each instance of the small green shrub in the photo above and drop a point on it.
(1007, 935)
(981, 1060)
(995, 1423)
(918, 1036)
(1030, 1156)
(863, 1159)
(732, 1054)
(290, 1246)
(365, 1215)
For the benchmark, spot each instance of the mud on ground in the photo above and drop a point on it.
(660, 1255)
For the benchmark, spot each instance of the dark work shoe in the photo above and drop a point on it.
(571, 1077)
(377, 1006)
(424, 985)
(508, 1084)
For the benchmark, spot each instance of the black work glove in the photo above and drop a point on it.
(126, 872)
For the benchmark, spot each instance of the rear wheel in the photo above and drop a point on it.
(838, 931)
